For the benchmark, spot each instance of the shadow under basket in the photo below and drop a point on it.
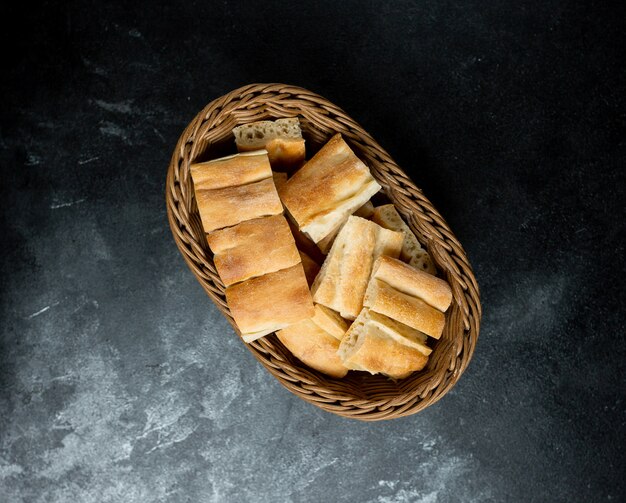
(359, 395)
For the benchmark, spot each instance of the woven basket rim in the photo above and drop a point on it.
(364, 397)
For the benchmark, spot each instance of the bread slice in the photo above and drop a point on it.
(406, 279)
(281, 138)
(313, 346)
(411, 311)
(253, 248)
(231, 171)
(327, 189)
(270, 302)
(366, 346)
(342, 281)
(229, 206)
(311, 268)
(412, 252)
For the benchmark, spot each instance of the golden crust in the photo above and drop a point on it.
(231, 171)
(314, 347)
(229, 206)
(270, 302)
(253, 248)
(328, 188)
(401, 307)
(406, 279)
(330, 321)
(371, 344)
(343, 279)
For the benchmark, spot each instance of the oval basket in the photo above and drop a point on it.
(358, 395)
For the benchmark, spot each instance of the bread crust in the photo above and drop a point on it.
(342, 281)
(270, 302)
(313, 346)
(230, 171)
(366, 347)
(404, 278)
(253, 248)
(328, 188)
(229, 206)
(281, 138)
(411, 311)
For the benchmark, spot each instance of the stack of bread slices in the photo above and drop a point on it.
(303, 252)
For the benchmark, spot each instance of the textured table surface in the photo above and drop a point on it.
(119, 380)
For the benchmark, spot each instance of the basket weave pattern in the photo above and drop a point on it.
(358, 395)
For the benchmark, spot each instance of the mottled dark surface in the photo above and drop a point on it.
(119, 380)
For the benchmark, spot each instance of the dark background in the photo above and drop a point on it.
(119, 380)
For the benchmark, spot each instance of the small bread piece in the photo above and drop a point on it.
(230, 171)
(343, 279)
(412, 251)
(270, 302)
(229, 206)
(253, 248)
(281, 138)
(328, 188)
(280, 179)
(311, 268)
(330, 321)
(414, 312)
(406, 279)
(367, 347)
(313, 346)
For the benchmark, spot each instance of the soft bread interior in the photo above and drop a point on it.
(257, 134)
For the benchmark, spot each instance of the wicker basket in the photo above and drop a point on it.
(358, 395)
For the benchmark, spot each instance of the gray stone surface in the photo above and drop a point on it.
(119, 381)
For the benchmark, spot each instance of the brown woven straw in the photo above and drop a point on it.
(358, 395)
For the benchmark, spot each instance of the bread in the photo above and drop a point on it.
(342, 281)
(400, 333)
(311, 268)
(253, 248)
(330, 321)
(326, 243)
(234, 189)
(327, 189)
(411, 311)
(412, 251)
(270, 302)
(367, 347)
(406, 279)
(310, 342)
(280, 179)
(281, 138)
(229, 206)
(230, 171)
